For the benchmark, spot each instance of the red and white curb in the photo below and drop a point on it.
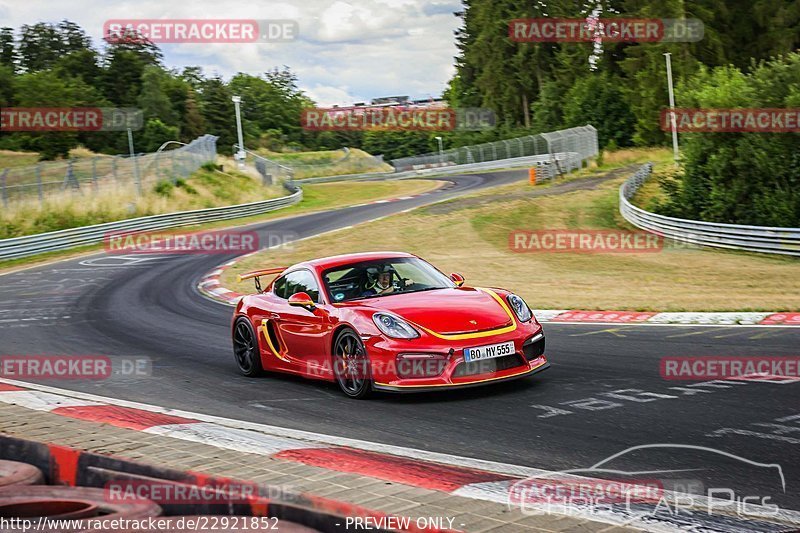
(460, 476)
(677, 318)
(210, 286)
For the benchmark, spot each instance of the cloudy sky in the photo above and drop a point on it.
(347, 51)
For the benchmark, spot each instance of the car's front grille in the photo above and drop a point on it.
(488, 365)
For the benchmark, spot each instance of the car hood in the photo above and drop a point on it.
(447, 311)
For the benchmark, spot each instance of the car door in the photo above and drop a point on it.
(300, 330)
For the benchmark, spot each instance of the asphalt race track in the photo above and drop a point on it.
(603, 394)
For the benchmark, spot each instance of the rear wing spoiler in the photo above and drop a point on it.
(256, 275)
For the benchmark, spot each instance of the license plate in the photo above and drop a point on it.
(488, 352)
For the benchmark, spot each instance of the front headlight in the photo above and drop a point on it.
(520, 308)
(394, 326)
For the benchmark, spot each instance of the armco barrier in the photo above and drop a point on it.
(763, 239)
(71, 238)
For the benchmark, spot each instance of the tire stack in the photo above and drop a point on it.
(77, 504)
(16, 473)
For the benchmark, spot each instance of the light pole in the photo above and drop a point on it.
(240, 154)
(676, 154)
(441, 150)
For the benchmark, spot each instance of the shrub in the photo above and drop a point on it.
(164, 188)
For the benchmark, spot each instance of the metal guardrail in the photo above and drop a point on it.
(71, 238)
(771, 240)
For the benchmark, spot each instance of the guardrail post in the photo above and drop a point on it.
(174, 168)
(39, 187)
(136, 175)
(69, 179)
(3, 184)
(94, 174)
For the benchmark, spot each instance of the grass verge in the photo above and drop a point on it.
(328, 162)
(203, 189)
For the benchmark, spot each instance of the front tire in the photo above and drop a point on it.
(351, 365)
(245, 348)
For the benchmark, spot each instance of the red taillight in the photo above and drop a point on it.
(421, 365)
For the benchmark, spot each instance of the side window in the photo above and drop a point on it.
(279, 287)
(301, 281)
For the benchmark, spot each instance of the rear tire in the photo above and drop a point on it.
(351, 365)
(245, 348)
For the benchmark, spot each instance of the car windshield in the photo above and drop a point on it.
(383, 277)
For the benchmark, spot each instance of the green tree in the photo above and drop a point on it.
(740, 178)
(46, 89)
(40, 46)
(81, 64)
(218, 112)
(598, 100)
(193, 124)
(547, 110)
(153, 100)
(125, 63)
(8, 53)
(6, 86)
(155, 134)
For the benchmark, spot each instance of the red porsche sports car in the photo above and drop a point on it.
(384, 321)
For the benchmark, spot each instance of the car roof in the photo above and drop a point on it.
(325, 263)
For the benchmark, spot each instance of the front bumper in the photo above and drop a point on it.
(387, 375)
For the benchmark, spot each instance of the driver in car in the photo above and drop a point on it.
(379, 280)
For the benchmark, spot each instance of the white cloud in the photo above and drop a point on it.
(347, 50)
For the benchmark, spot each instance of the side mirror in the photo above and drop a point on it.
(457, 278)
(302, 299)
